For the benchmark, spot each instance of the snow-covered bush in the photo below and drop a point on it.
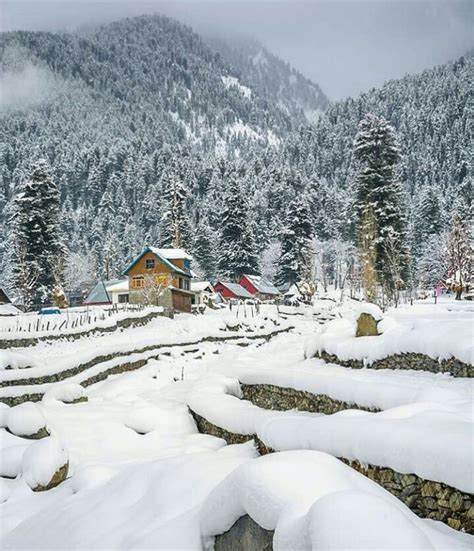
(45, 464)
(26, 420)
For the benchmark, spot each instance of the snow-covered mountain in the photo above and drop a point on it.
(273, 78)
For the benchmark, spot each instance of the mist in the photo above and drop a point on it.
(345, 46)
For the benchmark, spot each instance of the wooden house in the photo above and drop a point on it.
(161, 277)
(259, 287)
(232, 291)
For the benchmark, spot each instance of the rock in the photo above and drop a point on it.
(456, 501)
(26, 420)
(45, 465)
(366, 326)
(244, 535)
(68, 393)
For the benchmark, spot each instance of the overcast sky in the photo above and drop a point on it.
(346, 46)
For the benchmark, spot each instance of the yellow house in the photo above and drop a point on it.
(161, 277)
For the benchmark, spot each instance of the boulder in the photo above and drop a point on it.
(45, 465)
(367, 326)
(26, 420)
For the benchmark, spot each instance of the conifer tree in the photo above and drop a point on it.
(204, 249)
(295, 244)
(39, 249)
(237, 254)
(377, 153)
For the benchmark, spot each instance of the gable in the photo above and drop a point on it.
(162, 264)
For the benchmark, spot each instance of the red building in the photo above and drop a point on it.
(259, 287)
(232, 290)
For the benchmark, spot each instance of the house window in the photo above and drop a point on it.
(138, 282)
(186, 284)
(123, 298)
(149, 263)
(180, 282)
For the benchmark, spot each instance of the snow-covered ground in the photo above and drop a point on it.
(142, 477)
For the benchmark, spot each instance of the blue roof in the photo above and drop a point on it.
(165, 261)
(99, 294)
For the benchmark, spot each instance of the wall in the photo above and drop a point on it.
(419, 362)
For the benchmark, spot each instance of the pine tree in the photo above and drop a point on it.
(237, 254)
(296, 236)
(39, 248)
(377, 153)
(459, 255)
(204, 249)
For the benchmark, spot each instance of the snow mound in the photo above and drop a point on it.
(41, 461)
(65, 392)
(338, 521)
(92, 475)
(12, 457)
(25, 419)
(143, 419)
(313, 501)
(14, 360)
(3, 414)
(371, 309)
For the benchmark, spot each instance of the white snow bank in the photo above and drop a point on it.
(143, 419)
(25, 419)
(15, 360)
(313, 501)
(41, 460)
(150, 505)
(64, 392)
(11, 460)
(3, 414)
(446, 339)
(429, 439)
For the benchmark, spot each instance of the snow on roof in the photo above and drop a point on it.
(262, 285)
(237, 289)
(172, 254)
(8, 310)
(199, 286)
(121, 286)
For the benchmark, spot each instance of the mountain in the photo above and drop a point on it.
(273, 78)
(431, 112)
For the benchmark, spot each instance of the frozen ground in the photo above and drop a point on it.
(142, 477)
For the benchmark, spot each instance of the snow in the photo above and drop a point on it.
(25, 419)
(9, 310)
(14, 360)
(64, 392)
(441, 332)
(172, 254)
(313, 501)
(142, 477)
(41, 460)
(233, 82)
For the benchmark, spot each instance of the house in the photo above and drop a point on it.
(161, 277)
(119, 292)
(99, 294)
(202, 291)
(260, 287)
(232, 290)
(6, 306)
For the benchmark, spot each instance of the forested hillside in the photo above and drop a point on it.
(144, 125)
(273, 79)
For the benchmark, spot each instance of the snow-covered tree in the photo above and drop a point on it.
(237, 254)
(459, 255)
(379, 191)
(294, 264)
(204, 248)
(38, 241)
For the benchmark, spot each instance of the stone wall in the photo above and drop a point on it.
(283, 399)
(409, 360)
(121, 368)
(120, 324)
(426, 498)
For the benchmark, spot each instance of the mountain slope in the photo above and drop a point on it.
(272, 78)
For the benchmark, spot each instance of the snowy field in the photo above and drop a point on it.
(142, 477)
